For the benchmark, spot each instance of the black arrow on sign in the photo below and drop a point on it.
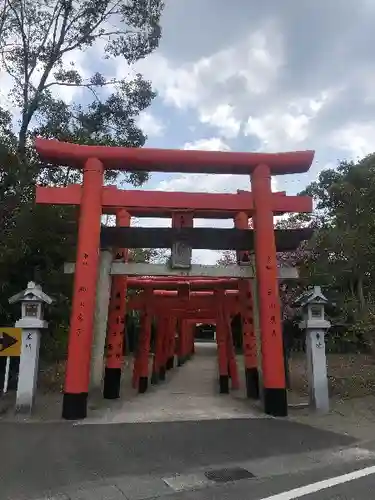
(6, 341)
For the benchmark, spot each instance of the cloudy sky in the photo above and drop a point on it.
(274, 75)
(247, 75)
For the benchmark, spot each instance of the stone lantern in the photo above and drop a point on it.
(32, 302)
(315, 325)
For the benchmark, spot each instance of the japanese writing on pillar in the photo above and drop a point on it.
(82, 291)
(116, 321)
(247, 322)
(272, 301)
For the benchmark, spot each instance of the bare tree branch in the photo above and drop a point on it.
(81, 40)
(55, 16)
(86, 85)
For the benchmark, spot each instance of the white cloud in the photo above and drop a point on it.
(222, 87)
(212, 144)
(253, 64)
(288, 127)
(151, 222)
(215, 183)
(276, 85)
(150, 124)
(206, 257)
(276, 132)
(209, 183)
(222, 117)
(274, 78)
(204, 182)
(6, 84)
(357, 139)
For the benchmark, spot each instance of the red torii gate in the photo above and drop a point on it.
(201, 305)
(261, 205)
(171, 300)
(155, 204)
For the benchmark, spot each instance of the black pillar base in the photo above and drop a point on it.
(275, 402)
(154, 378)
(112, 383)
(74, 406)
(224, 384)
(142, 385)
(170, 363)
(162, 373)
(181, 361)
(252, 383)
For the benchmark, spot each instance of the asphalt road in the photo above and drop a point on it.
(292, 486)
(39, 457)
(360, 489)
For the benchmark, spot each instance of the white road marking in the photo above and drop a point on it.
(322, 485)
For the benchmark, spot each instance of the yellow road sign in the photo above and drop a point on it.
(10, 341)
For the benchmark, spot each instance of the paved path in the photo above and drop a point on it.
(190, 392)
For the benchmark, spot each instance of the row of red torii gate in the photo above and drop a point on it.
(178, 294)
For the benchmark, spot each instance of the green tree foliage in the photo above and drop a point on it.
(39, 44)
(341, 254)
(152, 255)
(227, 258)
(37, 38)
(345, 242)
(345, 207)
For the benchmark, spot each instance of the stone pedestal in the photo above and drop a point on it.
(317, 369)
(29, 363)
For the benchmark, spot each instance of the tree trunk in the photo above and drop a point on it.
(361, 297)
(22, 137)
(352, 289)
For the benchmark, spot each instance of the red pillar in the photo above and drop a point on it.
(193, 328)
(171, 346)
(232, 363)
(179, 342)
(137, 352)
(84, 294)
(135, 376)
(221, 339)
(144, 352)
(249, 339)
(158, 354)
(185, 335)
(273, 374)
(164, 349)
(190, 339)
(116, 322)
(183, 331)
(248, 332)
